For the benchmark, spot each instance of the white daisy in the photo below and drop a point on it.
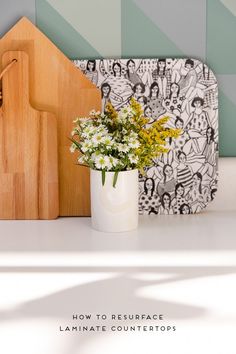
(86, 145)
(108, 161)
(97, 138)
(123, 147)
(113, 161)
(134, 143)
(133, 158)
(73, 148)
(87, 132)
(102, 130)
(84, 121)
(121, 117)
(127, 111)
(107, 141)
(100, 162)
(133, 135)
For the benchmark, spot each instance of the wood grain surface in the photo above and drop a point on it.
(28, 149)
(57, 86)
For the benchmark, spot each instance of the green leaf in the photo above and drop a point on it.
(115, 178)
(103, 177)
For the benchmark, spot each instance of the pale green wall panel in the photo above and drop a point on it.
(141, 36)
(227, 125)
(186, 28)
(227, 84)
(62, 33)
(221, 33)
(221, 57)
(99, 22)
(227, 108)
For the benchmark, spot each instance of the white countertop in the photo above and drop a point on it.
(181, 266)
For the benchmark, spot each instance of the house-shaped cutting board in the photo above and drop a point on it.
(57, 86)
(183, 181)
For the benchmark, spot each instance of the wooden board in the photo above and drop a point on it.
(28, 149)
(56, 85)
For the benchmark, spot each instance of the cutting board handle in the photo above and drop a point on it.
(7, 68)
(28, 148)
(16, 94)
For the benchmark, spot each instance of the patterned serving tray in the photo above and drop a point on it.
(183, 181)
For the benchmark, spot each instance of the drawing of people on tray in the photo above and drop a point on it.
(184, 180)
(168, 181)
(175, 103)
(165, 207)
(91, 71)
(149, 200)
(179, 198)
(121, 88)
(154, 101)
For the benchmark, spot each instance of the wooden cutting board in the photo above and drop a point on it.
(28, 149)
(56, 85)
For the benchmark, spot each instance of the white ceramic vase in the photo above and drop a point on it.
(114, 209)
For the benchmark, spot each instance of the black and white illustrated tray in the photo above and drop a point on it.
(183, 181)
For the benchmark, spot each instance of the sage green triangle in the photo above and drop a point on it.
(221, 43)
(227, 125)
(141, 37)
(61, 33)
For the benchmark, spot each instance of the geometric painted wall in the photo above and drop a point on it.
(204, 29)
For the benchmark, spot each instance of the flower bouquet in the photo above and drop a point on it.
(114, 142)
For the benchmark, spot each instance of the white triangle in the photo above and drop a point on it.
(99, 22)
(231, 5)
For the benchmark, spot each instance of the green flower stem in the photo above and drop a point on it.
(115, 178)
(103, 177)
